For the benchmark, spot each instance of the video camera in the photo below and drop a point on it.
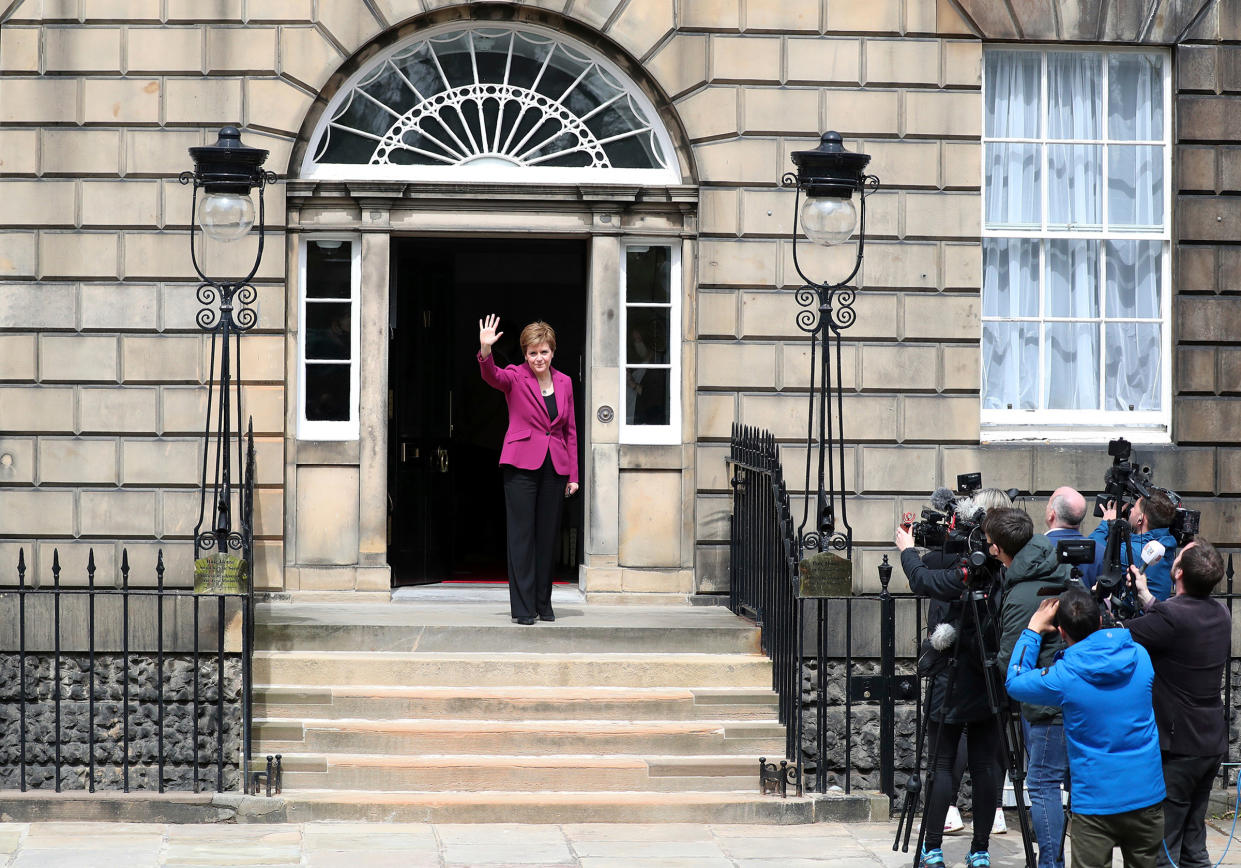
(1126, 482)
(943, 527)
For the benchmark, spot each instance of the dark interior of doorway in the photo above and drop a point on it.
(445, 498)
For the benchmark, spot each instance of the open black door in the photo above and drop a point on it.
(446, 502)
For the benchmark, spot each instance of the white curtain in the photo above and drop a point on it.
(1135, 113)
(1071, 356)
(1133, 371)
(1074, 111)
(1012, 112)
(1074, 321)
(1010, 349)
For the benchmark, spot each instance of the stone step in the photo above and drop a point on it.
(308, 805)
(522, 737)
(516, 703)
(503, 638)
(480, 773)
(569, 669)
(486, 627)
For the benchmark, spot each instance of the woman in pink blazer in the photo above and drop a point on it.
(538, 459)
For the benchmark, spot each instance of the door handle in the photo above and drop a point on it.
(402, 451)
(441, 458)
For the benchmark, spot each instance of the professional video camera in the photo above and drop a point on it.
(1126, 482)
(953, 524)
(943, 526)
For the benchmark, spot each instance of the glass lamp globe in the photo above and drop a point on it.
(225, 216)
(828, 220)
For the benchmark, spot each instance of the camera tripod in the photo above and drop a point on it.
(1004, 714)
(1112, 579)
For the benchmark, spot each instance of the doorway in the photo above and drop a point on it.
(445, 496)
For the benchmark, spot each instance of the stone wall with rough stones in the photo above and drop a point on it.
(182, 760)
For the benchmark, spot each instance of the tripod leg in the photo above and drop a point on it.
(913, 784)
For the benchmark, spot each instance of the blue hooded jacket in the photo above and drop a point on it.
(1103, 687)
(1158, 574)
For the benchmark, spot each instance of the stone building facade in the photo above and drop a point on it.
(102, 368)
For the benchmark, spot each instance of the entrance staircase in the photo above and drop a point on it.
(448, 712)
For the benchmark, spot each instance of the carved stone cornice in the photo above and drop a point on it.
(1148, 22)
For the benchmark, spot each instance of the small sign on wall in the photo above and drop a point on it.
(220, 573)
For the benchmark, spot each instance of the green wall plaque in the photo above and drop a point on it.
(220, 573)
(825, 574)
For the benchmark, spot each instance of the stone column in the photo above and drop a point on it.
(373, 571)
(601, 571)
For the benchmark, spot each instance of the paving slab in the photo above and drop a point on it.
(414, 845)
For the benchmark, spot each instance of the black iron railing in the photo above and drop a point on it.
(121, 685)
(122, 681)
(847, 692)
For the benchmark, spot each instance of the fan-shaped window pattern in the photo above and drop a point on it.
(490, 101)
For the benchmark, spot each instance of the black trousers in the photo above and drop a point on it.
(533, 500)
(1188, 782)
(982, 740)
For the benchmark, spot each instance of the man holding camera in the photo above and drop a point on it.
(1188, 638)
(1031, 566)
(1149, 519)
(1102, 683)
(1066, 509)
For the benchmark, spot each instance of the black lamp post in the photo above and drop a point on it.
(225, 173)
(830, 178)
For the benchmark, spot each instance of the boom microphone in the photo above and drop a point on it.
(942, 499)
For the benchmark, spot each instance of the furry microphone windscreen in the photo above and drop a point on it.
(943, 636)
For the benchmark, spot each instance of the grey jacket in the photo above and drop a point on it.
(1034, 567)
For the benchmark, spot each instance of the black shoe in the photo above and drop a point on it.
(547, 616)
(525, 622)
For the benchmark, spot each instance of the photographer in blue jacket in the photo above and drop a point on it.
(1149, 519)
(1102, 682)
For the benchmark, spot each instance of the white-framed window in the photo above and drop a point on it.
(650, 328)
(1076, 298)
(329, 269)
(491, 101)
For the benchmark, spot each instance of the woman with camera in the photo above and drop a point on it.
(957, 693)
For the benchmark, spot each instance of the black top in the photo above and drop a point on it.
(940, 577)
(1189, 639)
(551, 406)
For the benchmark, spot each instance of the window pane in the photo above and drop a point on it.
(327, 393)
(1010, 365)
(1072, 278)
(1074, 186)
(647, 274)
(1135, 97)
(1135, 186)
(1013, 93)
(1134, 269)
(1133, 368)
(1074, 95)
(327, 331)
(1013, 197)
(647, 341)
(1071, 379)
(1010, 277)
(647, 396)
(328, 269)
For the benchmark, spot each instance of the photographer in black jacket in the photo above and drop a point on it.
(940, 576)
(1188, 637)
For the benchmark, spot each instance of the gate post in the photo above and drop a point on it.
(887, 671)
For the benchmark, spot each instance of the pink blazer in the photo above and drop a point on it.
(531, 433)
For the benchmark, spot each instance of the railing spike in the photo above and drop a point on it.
(90, 560)
(55, 566)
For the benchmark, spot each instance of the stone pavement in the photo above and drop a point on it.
(410, 845)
